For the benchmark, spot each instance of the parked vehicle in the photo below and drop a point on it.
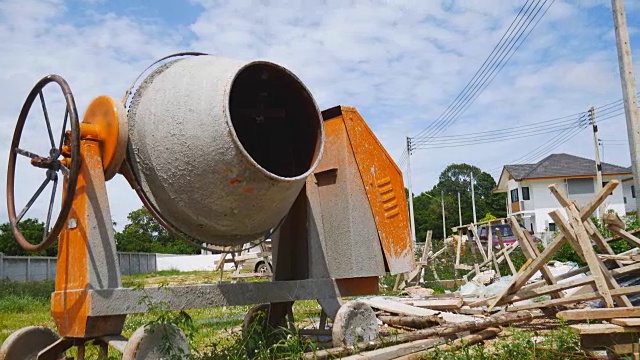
(505, 230)
(258, 265)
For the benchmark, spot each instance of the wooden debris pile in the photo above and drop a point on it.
(598, 281)
(425, 329)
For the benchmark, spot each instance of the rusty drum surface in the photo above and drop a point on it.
(222, 147)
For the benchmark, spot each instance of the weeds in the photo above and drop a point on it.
(558, 344)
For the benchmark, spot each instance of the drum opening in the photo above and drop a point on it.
(275, 119)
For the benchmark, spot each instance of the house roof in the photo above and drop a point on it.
(559, 165)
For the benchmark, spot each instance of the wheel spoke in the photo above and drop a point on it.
(65, 170)
(52, 200)
(64, 128)
(33, 199)
(26, 153)
(46, 119)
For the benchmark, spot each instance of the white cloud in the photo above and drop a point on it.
(399, 62)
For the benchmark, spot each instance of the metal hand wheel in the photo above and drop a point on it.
(63, 158)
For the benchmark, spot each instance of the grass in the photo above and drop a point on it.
(212, 331)
(559, 344)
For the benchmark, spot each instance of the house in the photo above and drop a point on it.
(530, 200)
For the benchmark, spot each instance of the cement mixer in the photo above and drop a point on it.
(221, 152)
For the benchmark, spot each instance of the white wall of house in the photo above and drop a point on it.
(535, 211)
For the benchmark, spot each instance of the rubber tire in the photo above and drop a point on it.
(146, 341)
(26, 343)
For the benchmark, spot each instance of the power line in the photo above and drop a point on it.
(479, 83)
(555, 142)
(480, 70)
(493, 139)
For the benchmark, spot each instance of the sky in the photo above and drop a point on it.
(400, 63)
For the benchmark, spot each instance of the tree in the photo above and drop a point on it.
(145, 234)
(453, 179)
(33, 230)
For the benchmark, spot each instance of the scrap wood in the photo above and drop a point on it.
(436, 304)
(436, 331)
(508, 258)
(393, 352)
(630, 238)
(599, 314)
(588, 329)
(539, 288)
(575, 298)
(531, 252)
(579, 240)
(626, 322)
(415, 322)
(456, 344)
(523, 276)
(500, 256)
(629, 269)
(396, 307)
(577, 234)
(632, 257)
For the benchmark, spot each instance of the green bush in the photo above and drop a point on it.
(30, 289)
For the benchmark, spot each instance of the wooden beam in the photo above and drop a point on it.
(584, 329)
(609, 280)
(500, 258)
(476, 237)
(575, 298)
(627, 322)
(625, 235)
(518, 281)
(531, 251)
(507, 257)
(599, 314)
(577, 233)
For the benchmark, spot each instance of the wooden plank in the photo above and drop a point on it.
(531, 252)
(576, 232)
(629, 269)
(476, 237)
(601, 243)
(609, 280)
(392, 352)
(625, 235)
(490, 249)
(499, 255)
(584, 329)
(437, 304)
(508, 258)
(458, 248)
(403, 309)
(545, 290)
(599, 314)
(518, 281)
(627, 322)
(575, 298)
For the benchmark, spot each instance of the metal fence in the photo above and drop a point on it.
(38, 268)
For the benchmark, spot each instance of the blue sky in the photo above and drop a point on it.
(399, 62)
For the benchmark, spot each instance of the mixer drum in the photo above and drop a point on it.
(222, 147)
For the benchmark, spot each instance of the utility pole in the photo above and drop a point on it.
(473, 200)
(459, 209)
(592, 121)
(628, 89)
(444, 220)
(412, 220)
